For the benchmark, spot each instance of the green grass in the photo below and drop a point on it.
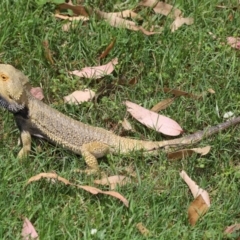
(188, 59)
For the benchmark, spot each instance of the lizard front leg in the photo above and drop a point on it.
(26, 144)
(92, 151)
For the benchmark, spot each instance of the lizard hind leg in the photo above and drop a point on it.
(90, 152)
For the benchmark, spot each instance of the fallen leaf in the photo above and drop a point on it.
(78, 18)
(47, 52)
(153, 120)
(37, 92)
(197, 209)
(96, 72)
(183, 153)
(210, 90)
(124, 23)
(124, 14)
(228, 115)
(108, 49)
(233, 228)
(126, 125)
(162, 105)
(113, 181)
(90, 189)
(161, 7)
(78, 97)
(178, 93)
(201, 203)
(234, 42)
(77, 9)
(179, 21)
(28, 230)
(142, 229)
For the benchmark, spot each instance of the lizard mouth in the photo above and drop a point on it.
(12, 107)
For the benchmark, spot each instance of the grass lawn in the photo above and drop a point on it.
(188, 59)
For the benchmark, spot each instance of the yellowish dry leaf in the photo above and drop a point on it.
(78, 18)
(113, 181)
(142, 229)
(179, 21)
(126, 125)
(197, 209)
(210, 90)
(162, 105)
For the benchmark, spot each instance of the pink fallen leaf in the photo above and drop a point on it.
(78, 97)
(234, 42)
(153, 120)
(28, 230)
(195, 189)
(98, 71)
(37, 92)
(233, 228)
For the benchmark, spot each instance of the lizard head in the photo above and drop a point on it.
(12, 83)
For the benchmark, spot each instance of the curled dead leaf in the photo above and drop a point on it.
(183, 153)
(179, 21)
(178, 93)
(90, 189)
(108, 49)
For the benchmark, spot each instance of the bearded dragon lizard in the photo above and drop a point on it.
(35, 118)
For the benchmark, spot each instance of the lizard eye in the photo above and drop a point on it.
(3, 77)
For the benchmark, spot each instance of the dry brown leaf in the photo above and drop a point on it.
(120, 22)
(47, 52)
(179, 21)
(78, 18)
(124, 14)
(161, 7)
(153, 120)
(108, 49)
(142, 229)
(77, 9)
(96, 72)
(162, 105)
(197, 209)
(178, 93)
(90, 189)
(233, 228)
(37, 92)
(28, 231)
(78, 97)
(126, 125)
(183, 153)
(113, 181)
